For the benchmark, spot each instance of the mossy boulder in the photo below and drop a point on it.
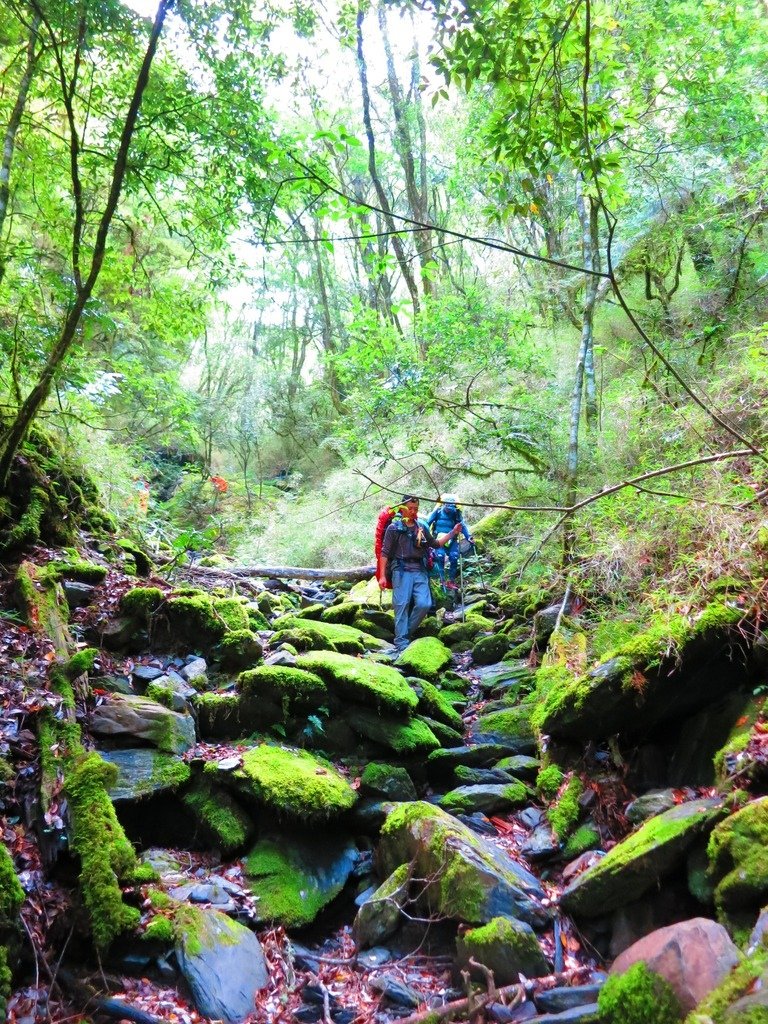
(487, 799)
(491, 649)
(564, 814)
(404, 738)
(459, 632)
(506, 947)
(663, 675)
(293, 783)
(342, 637)
(638, 863)
(221, 822)
(434, 704)
(379, 916)
(738, 856)
(387, 782)
(362, 681)
(142, 562)
(219, 716)
(295, 875)
(238, 649)
(285, 689)
(511, 726)
(142, 771)
(344, 613)
(425, 658)
(78, 569)
(467, 878)
(141, 602)
(127, 716)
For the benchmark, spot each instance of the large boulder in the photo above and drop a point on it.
(223, 964)
(467, 878)
(638, 863)
(664, 675)
(505, 946)
(291, 783)
(401, 737)
(337, 634)
(488, 799)
(144, 770)
(738, 857)
(694, 956)
(510, 726)
(364, 682)
(425, 658)
(294, 875)
(127, 716)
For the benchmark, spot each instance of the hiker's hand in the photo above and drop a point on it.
(383, 582)
(456, 530)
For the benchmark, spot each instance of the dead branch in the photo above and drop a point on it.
(94, 1003)
(284, 572)
(473, 1003)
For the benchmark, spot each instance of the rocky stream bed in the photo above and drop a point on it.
(235, 804)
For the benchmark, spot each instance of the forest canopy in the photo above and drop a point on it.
(264, 266)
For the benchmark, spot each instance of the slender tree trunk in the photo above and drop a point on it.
(584, 381)
(415, 185)
(326, 325)
(9, 142)
(38, 395)
(397, 245)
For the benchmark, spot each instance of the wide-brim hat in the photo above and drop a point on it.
(449, 499)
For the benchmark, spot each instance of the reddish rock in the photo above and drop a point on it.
(693, 956)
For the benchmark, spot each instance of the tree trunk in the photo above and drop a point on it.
(9, 142)
(381, 195)
(39, 394)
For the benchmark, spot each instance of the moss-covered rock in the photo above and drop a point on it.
(490, 649)
(288, 690)
(458, 632)
(11, 892)
(434, 704)
(566, 812)
(425, 658)
(379, 916)
(549, 780)
(386, 781)
(663, 675)
(344, 613)
(639, 862)
(294, 877)
(466, 877)
(487, 799)
(219, 716)
(294, 783)
(738, 855)
(401, 737)
(106, 856)
(585, 837)
(141, 560)
(141, 602)
(342, 637)
(511, 726)
(239, 649)
(638, 997)
(221, 821)
(364, 682)
(41, 601)
(78, 569)
(740, 998)
(506, 947)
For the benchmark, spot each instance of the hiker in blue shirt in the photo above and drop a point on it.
(445, 517)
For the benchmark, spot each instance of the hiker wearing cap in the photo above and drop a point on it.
(445, 518)
(404, 557)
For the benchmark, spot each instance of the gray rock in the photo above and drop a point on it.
(224, 966)
(509, 950)
(650, 804)
(396, 784)
(195, 669)
(143, 674)
(541, 843)
(487, 882)
(442, 763)
(639, 862)
(162, 861)
(284, 658)
(491, 677)
(757, 938)
(487, 799)
(379, 915)
(522, 766)
(126, 715)
(113, 684)
(394, 991)
(511, 1014)
(586, 1014)
(141, 771)
(375, 957)
(555, 1000)
(531, 817)
(482, 777)
(78, 595)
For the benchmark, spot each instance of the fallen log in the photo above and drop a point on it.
(287, 572)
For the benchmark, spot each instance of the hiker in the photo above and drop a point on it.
(404, 557)
(444, 518)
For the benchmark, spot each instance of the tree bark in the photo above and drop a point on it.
(38, 395)
(9, 141)
(288, 572)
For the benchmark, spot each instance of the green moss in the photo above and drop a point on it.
(27, 529)
(344, 638)
(11, 892)
(344, 613)
(564, 815)
(238, 649)
(161, 692)
(232, 613)
(144, 874)
(490, 649)
(511, 724)
(549, 780)
(160, 900)
(222, 819)
(286, 894)
(459, 802)
(159, 929)
(403, 738)
(105, 854)
(738, 855)
(169, 770)
(144, 564)
(81, 662)
(77, 569)
(586, 837)
(362, 681)
(436, 705)
(287, 688)
(638, 997)
(505, 946)
(294, 783)
(141, 602)
(425, 658)
(256, 619)
(467, 630)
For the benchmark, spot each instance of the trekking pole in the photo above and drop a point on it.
(461, 586)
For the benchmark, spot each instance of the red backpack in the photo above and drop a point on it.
(385, 517)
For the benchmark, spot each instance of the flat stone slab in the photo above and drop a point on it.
(142, 771)
(127, 715)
